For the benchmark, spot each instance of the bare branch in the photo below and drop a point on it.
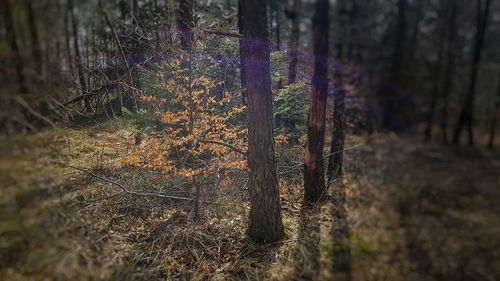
(233, 148)
(124, 188)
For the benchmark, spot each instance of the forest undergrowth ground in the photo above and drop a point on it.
(404, 210)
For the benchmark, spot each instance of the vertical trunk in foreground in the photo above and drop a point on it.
(314, 180)
(467, 112)
(12, 38)
(293, 46)
(265, 223)
(335, 163)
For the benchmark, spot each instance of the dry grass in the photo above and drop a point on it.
(407, 212)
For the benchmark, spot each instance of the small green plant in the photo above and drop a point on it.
(290, 111)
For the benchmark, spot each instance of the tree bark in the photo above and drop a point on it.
(265, 222)
(12, 39)
(449, 70)
(293, 45)
(314, 180)
(185, 23)
(242, 59)
(79, 64)
(35, 41)
(494, 119)
(436, 75)
(335, 163)
(390, 103)
(467, 112)
(67, 42)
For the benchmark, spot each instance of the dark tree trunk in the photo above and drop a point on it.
(353, 53)
(415, 32)
(449, 70)
(293, 45)
(79, 64)
(399, 43)
(277, 17)
(436, 76)
(12, 38)
(35, 41)
(494, 119)
(314, 180)
(342, 33)
(467, 112)
(67, 42)
(390, 103)
(242, 59)
(265, 223)
(185, 23)
(335, 162)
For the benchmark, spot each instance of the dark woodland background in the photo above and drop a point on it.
(384, 164)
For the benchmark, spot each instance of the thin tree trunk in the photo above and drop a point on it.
(12, 38)
(277, 18)
(415, 32)
(293, 45)
(494, 119)
(353, 53)
(314, 179)
(79, 65)
(342, 33)
(120, 48)
(67, 42)
(242, 59)
(390, 107)
(35, 41)
(185, 23)
(436, 76)
(265, 222)
(449, 70)
(467, 112)
(335, 163)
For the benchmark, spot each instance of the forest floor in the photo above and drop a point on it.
(403, 211)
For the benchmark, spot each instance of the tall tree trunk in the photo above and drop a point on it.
(293, 45)
(79, 64)
(265, 223)
(494, 119)
(35, 41)
(436, 74)
(467, 112)
(67, 42)
(242, 59)
(314, 179)
(277, 18)
(12, 38)
(342, 32)
(185, 23)
(415, 31)
(449, 69)
(353, 53)
(335, 163)
(390, 104)
(399, 43)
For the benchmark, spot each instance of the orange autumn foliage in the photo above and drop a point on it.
(194, 118)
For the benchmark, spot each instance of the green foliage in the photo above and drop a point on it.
(278, 66)
(290, 111)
